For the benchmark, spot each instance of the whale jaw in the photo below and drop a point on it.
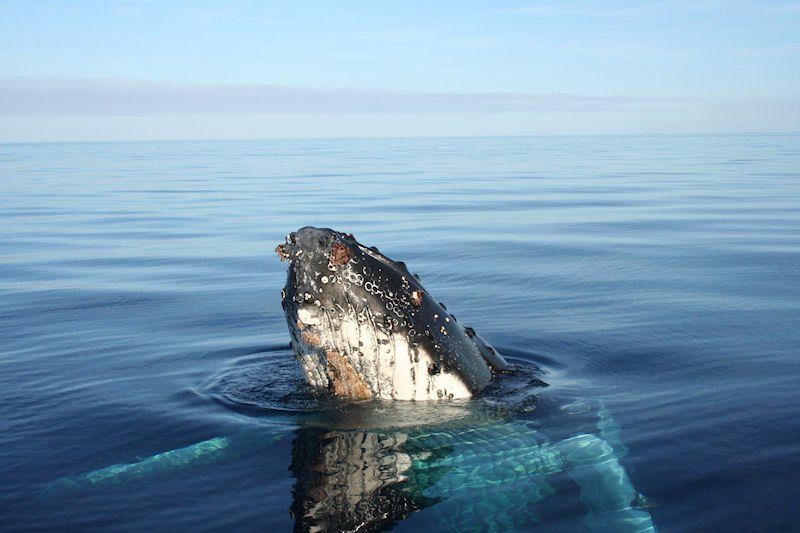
(363, 327)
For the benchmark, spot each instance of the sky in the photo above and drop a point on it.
(150, 69)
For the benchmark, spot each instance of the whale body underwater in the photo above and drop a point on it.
(363, 327)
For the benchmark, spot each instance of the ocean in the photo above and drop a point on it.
(653, 280)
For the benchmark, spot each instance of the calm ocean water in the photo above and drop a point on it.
(655, 277)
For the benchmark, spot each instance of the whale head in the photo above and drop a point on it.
(363, 327)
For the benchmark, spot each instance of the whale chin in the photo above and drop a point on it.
(363, 327)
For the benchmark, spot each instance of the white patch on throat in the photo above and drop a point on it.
(384, 360)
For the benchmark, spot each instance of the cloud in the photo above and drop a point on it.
(649, 9)
(108, 97)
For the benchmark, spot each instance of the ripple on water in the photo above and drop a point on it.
(265, 383)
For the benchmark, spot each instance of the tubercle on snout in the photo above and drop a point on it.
(283, 254)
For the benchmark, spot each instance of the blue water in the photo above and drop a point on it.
(140, 313)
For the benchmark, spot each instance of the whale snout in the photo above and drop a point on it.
(312, 242)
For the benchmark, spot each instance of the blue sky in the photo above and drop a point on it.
(138, 69)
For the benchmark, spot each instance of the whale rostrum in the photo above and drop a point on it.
(363, 327)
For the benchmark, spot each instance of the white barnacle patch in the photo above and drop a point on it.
(353, 277)
(308, 316)
(312, 367)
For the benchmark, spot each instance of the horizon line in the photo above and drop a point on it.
(405, 137)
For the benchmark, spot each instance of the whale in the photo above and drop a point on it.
(364, 328)
(480, 459)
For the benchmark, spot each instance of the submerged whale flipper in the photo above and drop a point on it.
(493, 475)
(205, 452)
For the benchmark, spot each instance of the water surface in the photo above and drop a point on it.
(140, 313)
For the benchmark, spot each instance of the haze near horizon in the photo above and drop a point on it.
(141, 70)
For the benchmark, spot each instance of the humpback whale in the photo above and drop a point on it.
(363, 327)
